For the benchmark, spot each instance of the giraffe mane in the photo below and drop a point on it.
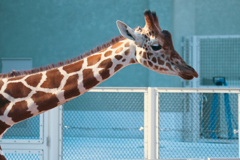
(66, 62)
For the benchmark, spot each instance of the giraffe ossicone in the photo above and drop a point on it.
(29, 93)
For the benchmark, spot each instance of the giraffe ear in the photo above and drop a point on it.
(126, 31)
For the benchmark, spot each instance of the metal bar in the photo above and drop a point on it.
(118, 89)
(152, 124)
(23, 151)
(199, 90)
(195, 60)
(157, 122)
(219, 36)
(60, 121)
(19, 146)
(238, 125)
(44, 145)
(53, 133)
(146, 125)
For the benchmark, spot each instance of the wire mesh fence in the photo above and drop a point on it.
(28, 129)
(213, 56)
(104, 125)
(220, 57)
(198, 125)
(24, 155)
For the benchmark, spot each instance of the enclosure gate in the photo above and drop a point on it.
(34, 138)
(26, 140)
(197, 123)
(172, 123)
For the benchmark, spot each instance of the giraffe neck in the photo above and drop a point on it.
(27, 96)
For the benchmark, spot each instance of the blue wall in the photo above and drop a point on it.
(49, 31)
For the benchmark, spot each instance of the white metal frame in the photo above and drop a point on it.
(32, 144)
(148, 151)
(28, 141)
(51, 145)
(202, 90)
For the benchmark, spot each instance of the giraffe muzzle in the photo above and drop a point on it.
(186, 72)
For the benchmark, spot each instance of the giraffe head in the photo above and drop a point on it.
(154, 48)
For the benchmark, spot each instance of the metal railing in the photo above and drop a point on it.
(140, 123)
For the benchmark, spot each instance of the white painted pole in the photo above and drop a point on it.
(238, 125)
(146, 109)
(152, 138)
(53, 140)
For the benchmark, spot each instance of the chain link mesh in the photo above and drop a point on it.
(28, 129)
(198, 125)
(220, 57)
(104, 125)
(23, 156)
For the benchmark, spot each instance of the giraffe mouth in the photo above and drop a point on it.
(186, 72)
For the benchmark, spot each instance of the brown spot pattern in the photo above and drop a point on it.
(1, 84)
(71, 87)
(93, 59)
(3, 104)
(107, 63)
(145, 64)
(45, 101)
(104, 73)
(54, 78)
(89, 80)
(160, 62)
(108, 53)
(119, 50)
(15, 78)
(162, 55)
(144, 55)
(149, 55)
(154, 59)
(127, 44)
(132, 60)
(117, 45)
(150, 63)
(123, 60)
(17, 90)
(74, 67)
(155, 67)
(119, 66)
(118, 57)
(127, 52)
(169, 66)
(19, 111)
(3, 127)
(34, 80)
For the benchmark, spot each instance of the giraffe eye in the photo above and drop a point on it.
(156, 48)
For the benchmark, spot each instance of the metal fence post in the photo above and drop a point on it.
(238, 124)
(152, 127)
(53, 139)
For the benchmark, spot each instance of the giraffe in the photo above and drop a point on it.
(29, 93)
